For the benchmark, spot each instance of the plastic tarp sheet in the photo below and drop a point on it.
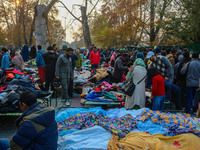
(62, 115)
(94, 138)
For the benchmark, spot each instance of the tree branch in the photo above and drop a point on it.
(70, 12)
(48, 8)
(86, 4)
(93, 8)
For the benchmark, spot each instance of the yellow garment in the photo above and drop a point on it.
(146, 141)
(100, 74)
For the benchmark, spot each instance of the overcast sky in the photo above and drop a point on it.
(64, 16)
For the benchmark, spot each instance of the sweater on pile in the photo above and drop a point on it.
(158, 85)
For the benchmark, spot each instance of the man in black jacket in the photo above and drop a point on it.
(120, 67)
(50, 59)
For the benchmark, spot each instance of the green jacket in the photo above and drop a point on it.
(79, 62)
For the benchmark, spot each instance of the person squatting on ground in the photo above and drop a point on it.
(64, 72)
(158, 88)
(36, 127)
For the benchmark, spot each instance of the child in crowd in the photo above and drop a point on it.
(158, 88)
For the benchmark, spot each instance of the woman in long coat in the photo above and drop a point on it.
(138, 98)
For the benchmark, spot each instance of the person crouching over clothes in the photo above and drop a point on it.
(158, 89)
(36, 127)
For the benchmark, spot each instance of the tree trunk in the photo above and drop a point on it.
(152, 17)
(32, 29)
(86, 30)
(23, 21)
(41, 27)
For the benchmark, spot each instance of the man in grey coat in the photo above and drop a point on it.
(192, 71)
(64, 72)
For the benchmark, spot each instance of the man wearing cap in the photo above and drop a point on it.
(64, 72)
(120, 67)
(64, 49)
(162, 64)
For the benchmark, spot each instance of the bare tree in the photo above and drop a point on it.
(41, 22)
(83, 20)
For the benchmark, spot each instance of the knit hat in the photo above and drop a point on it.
(180, 58)
(149, 54)
(158, 50)
(64, 47)
(140, 55)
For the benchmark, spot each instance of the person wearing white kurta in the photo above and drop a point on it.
(138, 97)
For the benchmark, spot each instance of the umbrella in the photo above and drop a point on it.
(82, 48)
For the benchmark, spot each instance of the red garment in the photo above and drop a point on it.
(41, 71)
(158, 88)
(94, 58)
(15, 71)
(3, 88)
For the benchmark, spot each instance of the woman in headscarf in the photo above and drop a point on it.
(139, 73)
(18, 61)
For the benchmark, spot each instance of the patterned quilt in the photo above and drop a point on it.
(120, 127)
(162, 118)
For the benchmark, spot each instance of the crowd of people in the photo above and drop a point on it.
(169, 74)
(172, 74)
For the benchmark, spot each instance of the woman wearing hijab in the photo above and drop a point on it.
(18, 61)
(138, 74)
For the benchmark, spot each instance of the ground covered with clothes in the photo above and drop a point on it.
(12, 83)
(96, 128)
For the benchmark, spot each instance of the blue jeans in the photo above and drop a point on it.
(173, 92)
(190, 93)
(4, 144)
(158, 102)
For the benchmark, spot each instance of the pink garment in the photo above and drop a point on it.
(107, 86)
(112, 57)
(123, 78)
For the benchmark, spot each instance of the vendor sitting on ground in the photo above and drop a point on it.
(120, 67)
(36, 127)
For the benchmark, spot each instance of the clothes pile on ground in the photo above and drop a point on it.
(81, 128)
(12, 83)
(80, 78)
(103, 93)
